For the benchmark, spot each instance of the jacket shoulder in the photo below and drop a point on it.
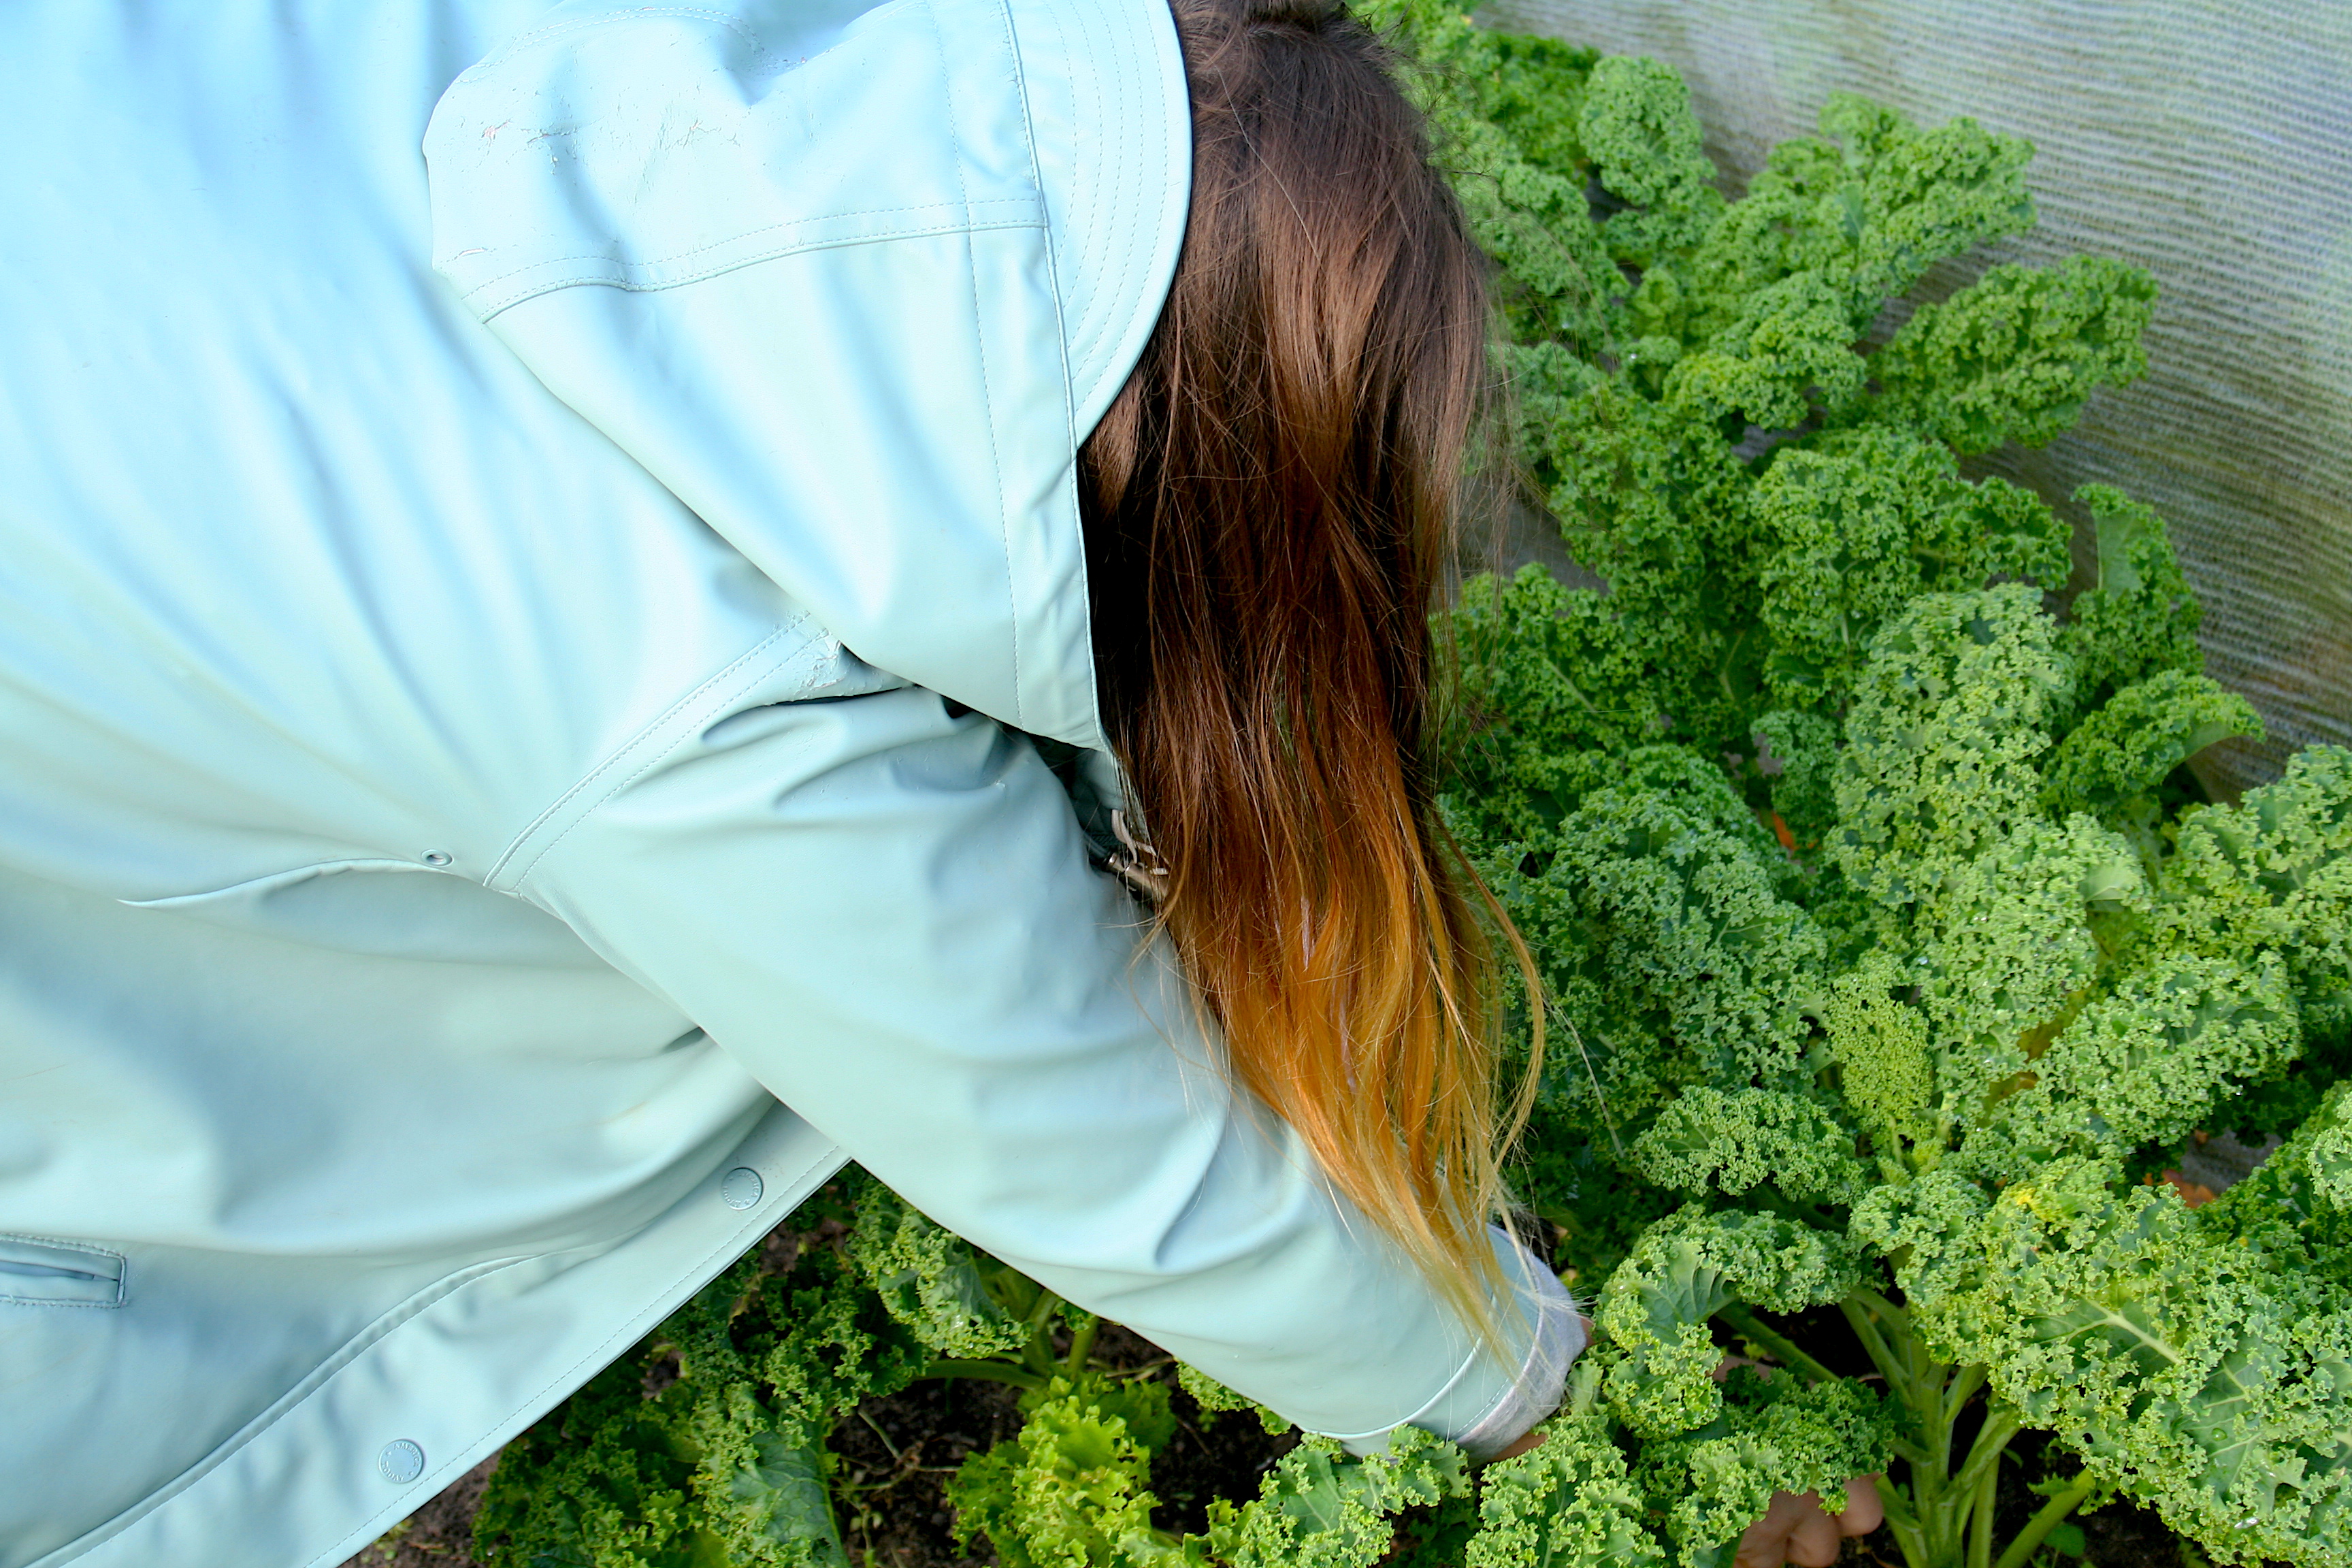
(643, 148)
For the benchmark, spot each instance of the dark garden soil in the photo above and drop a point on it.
(898, 1453)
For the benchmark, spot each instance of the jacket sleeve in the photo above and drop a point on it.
(887, 914)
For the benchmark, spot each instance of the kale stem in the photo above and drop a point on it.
(869, 1420)
(1878, 1303)
(1903, 1448)
(2020, 1547)
(1963, 1389)
(993, 1371)
(1962, 1517)
(1992, 1441)
(1947, 1524)
(1746, 1324)
(1905, 1524)
(1082, 1344)
(1931, 1486)
(1896, 1373)
(1933, 1395)
(1039, 1352)
(1981, 1526)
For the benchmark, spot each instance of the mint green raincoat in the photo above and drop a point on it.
(528, 542)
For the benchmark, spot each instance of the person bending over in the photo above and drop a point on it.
(603, 607)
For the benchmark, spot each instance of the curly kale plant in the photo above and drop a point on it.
(1885, 932)
(1886, 939)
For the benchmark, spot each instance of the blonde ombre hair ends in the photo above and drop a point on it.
(1271, 506)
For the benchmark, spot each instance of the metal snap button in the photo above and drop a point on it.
(741, 1188)
(438, 858)
(401, 1462)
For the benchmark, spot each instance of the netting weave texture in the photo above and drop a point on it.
(2208, 141)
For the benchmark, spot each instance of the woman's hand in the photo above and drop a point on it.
(1796, 1528)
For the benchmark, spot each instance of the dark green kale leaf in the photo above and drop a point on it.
(2015, 355)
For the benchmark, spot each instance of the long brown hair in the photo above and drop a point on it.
(1271, 505)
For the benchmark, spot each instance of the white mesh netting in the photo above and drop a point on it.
(2206, 141)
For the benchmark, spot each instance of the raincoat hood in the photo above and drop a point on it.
(1030, 165)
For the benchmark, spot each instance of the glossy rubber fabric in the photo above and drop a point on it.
(493, 503)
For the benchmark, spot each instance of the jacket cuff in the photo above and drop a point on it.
(1556, 1337)
(1536, 1393)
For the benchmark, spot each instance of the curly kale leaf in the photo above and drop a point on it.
(1748, 314)
(929, 1280)
(1839, 528)
(780, 1500)
(2138, 618)
(1909, 198)
(590, 1484)
(1320, 1508)
(2112, 764)
(1636, 125)
(1521, 809)
(2145, 1062)
(2197, 1371)
(726, 1463)
(2297, 1204)
(1504, 108)
(1853, 525)
(2013, 357)
(825, 1357)
(1690, 913)
(1215, 1399)
(1707, 1141)
(1070, 1489)
(1527, 87)
(1687, 1267)
(1796, 754)
(1773, 1435)
(1924, 1224)
(2046, 1048)
(1948, 719)
(1546, 676)
(1563, 284)
(2007, 945)
(1672, 954)
(2327, 1155)
(1565, 1503)
(1570, 1175)
(1864, 210)
(1657, 505)
(2273, 872)
(1791, 346)
(1990, 531)
(1886, 1070)
(1855, 522)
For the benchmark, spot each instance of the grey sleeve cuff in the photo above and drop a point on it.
(1557, 1339)
(1543, 1373)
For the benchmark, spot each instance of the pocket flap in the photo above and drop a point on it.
(58, 1273)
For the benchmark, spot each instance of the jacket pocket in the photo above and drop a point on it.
(58, 1273)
